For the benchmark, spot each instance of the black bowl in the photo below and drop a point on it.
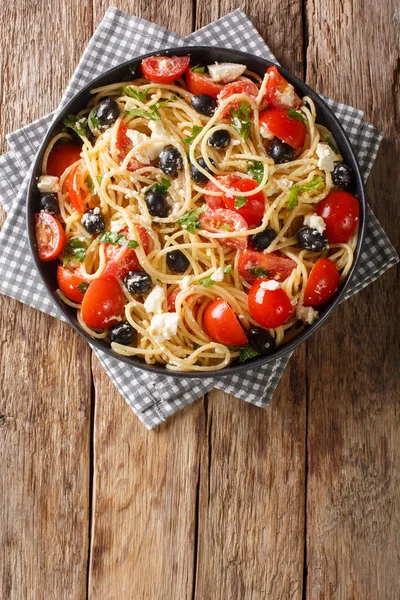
(199, 55)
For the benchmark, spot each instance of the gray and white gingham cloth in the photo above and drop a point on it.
(121, 37)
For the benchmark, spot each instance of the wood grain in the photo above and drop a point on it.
(44, 366)
(353, 510)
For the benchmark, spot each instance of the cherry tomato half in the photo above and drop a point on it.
(217, 201)
(221, 324)
(279, 93)
(102, 303)
(270, 308)
(50, 236)
(340, 211)
(236, 87)
(68, 283)
(121, 259)
(199, 83)
(164, 69)
(61, 157)
(216, 221)
(253, 265)
(252, 211)
(124, 145)
(286, 129)
(77, 190)
(322, 283)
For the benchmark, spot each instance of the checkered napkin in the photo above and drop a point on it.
(118, 38)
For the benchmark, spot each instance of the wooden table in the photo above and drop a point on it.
(224, 501)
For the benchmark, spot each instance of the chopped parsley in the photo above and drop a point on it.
(332, 144)
(240, 201)
(197, 69)
(76, 123)
(112, 237)
(314, 183)
(161, 186)
(89, 184)
(259, 272)
(82, 287)
(94, 120)
(245, 352)
(293, 197)
(295, 114)
(195, 132)
(207, 282)
(190, 221)
(74, 250)
(255, 169)
(240, 119)
(130, 91)
(224, 227)
(228, 269)
(151, 114)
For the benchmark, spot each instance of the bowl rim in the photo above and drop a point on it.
(236, 56)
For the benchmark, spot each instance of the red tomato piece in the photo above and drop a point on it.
(50, 236)
(283, 127)
(124, 145)
(199, 83)
(164, 69)
(61, 157)
(121, 259)
(253, 210)
(252, 264)
(340, 211)
(68, 283)
(217, 201)
(216, 221)
(270, 308)
(76, 190)
(236, 87)
(102, 303)
(221, 324)
(279, 93)
(322, 283)
(171, 300)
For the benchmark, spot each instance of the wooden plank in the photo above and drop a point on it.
(251, 508)
(44, 366)
(353, 512)
(145, 483)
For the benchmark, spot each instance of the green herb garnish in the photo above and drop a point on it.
(161, 186)
(82, 287)
(151, 114)
(89, 184)
(112, 237)
(240, 119)
(293, 197)
(224, 227)
(240, 201)
(294, 114)
(190, 221)
(314, 183)
(195, 132)
(139, 95)
(259, 272)
(95, 122)
(207, 282)
(331, 144)
(255, 169)
(197, 69)
(74, 250)
(78, 124)
(228, 269)
(245, 352)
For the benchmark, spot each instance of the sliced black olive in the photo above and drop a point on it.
(93, 221)
(343, 177)
(204, 104)
(170, 160)
(220, 138)
(122, 333)
(138, 282)
(198, 176)
(106, 113)
(49, 203)
(157, 204)
(280, 152)
(261, 241)
(261, 340)
(311, 239)
(177, 261)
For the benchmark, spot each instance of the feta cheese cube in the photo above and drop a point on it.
(225, 72)
(270, 285)
(218, 275)
(163, 326)
(186, 281)
(315, 222)
(306, 314)
(154, 301)
(48, 183)
(327, 157)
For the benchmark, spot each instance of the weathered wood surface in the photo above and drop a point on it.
(211, 505)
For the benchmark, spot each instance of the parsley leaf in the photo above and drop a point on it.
(130, 91)
(76, 123)
(240, 119)
(259, 272)
(246, 353)
(74, 250)
(161, 186)
(255, 169)
(315, 182)
(112, 237)
(197, 69)
(153, 113)
(82, 287)
(190, 220)
(294, 114)
(331, 144)
(195, 132)
(207, 282)
(95, 121)
(293, 197)
(228, 269)
(89, 184)
(224, 227)
(240, 201)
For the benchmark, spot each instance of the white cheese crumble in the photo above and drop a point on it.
(271, 284)
(287, 97)
(315, 222)
(163, 326)
(154, 301)
(218, 275)
(48, 183)
(265, 132)
(327, 157)
(118, 225)
(306, 314)
(225, 72)
(186, 281)
(152, 145)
